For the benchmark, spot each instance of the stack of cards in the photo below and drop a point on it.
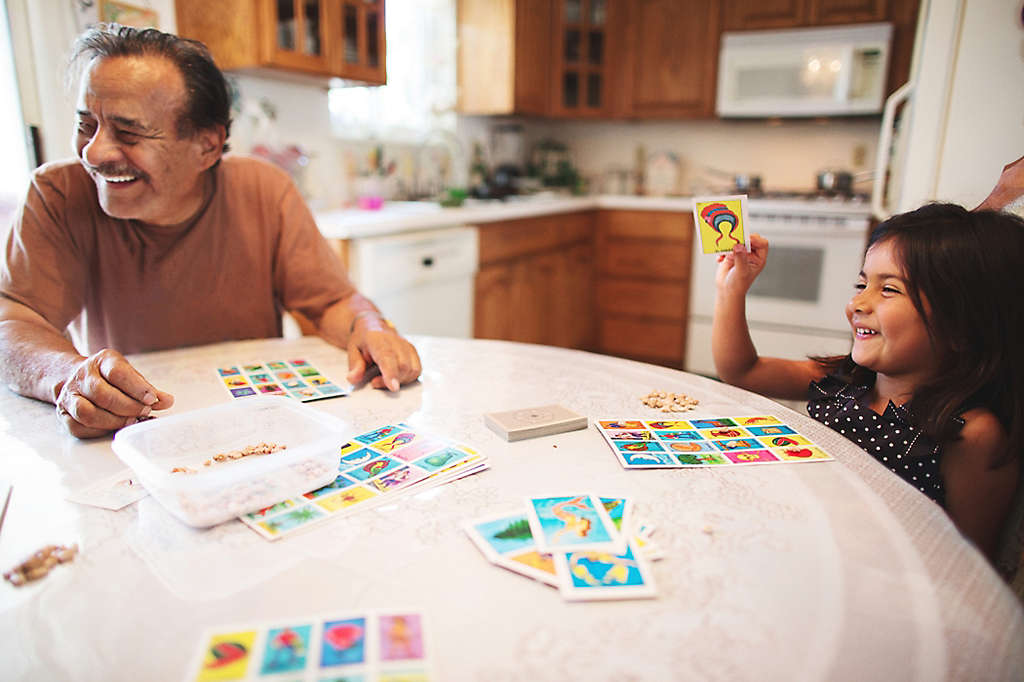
(295, 378)
(389, 647)
(723, 441)
(534, 421)
(375, 468)
(588, 546)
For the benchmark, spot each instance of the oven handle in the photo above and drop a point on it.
(884, 156)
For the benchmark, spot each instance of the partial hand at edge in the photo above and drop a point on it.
(1009, 187)
(738, 270)
(106, 393)
(372, 342)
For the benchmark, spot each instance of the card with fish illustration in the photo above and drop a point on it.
(720, 223)
(565, 523)
(506, 540)
(374, 468)
(296, 378)
(705, 442)
(372, 645)
(593, 575)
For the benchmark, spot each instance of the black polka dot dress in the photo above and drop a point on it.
(889, 437)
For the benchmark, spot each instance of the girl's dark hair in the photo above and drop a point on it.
(208, 99)
(969, 267)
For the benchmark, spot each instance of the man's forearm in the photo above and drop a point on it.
(335, 325)
(35, 361)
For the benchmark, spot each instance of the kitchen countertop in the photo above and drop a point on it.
(411, 216)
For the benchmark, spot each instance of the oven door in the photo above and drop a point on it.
(808, 279)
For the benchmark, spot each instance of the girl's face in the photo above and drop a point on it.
(889, 335)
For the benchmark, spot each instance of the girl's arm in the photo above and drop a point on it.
(981, 472)
(736, 358)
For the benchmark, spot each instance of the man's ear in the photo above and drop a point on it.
(211, 145)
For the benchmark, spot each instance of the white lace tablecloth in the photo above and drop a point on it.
(818, 571)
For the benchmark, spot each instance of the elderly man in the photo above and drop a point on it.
(153, 239)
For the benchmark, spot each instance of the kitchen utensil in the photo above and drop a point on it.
(662, 174)
(834, 182)
(747, 184)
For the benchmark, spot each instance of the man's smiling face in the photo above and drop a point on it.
(126, 137)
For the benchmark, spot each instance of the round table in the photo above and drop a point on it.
(819, 571)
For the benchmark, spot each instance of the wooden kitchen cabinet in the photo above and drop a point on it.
(556, 58)
(642, 284)
(739, 15)
(587, 54)
(534, 281)
(305, 39)
(670, 62)
(504, 56)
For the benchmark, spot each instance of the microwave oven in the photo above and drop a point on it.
(834, 71)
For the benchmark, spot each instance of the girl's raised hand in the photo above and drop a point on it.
(738, 270)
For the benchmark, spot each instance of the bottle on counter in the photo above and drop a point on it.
(478, 174)
(640, 170)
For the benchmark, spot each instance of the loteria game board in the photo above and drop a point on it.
(296, 378)
(722, 441)
(375, 467)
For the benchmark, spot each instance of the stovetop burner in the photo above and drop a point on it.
(799, 195)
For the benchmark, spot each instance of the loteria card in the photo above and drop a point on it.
(589, 575)
(374, 468)
(506, 541)
(720, 223)
(296, 378)
(620, 511)
(357, 646)
(720, 441)
(566, 523)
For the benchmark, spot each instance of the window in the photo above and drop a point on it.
(419, 97)
(14, 170)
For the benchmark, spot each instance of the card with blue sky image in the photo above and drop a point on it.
(586, 575)
(506, 540)
(571, 522)
(296, 378)
(705, 442)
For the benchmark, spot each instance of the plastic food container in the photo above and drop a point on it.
(226, 489)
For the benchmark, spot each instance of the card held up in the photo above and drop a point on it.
(721, 223)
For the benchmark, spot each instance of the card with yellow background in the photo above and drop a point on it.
(720, 223)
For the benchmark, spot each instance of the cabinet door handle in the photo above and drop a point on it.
(427, 262)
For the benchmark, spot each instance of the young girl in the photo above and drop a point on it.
(934, 384)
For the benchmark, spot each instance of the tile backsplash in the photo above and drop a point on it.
(786, 154)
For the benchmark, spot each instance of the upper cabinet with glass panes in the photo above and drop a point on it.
(583, 68)
(318, 39)
(545, 57)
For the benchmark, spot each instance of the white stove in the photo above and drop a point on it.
(796, 306)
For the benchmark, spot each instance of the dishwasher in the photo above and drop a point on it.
(422, 281)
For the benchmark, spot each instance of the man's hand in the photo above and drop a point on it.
(374, 342)
(105, 393)
(1009, 187)
(738, 270)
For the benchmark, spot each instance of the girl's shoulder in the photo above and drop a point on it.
(982, 439)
